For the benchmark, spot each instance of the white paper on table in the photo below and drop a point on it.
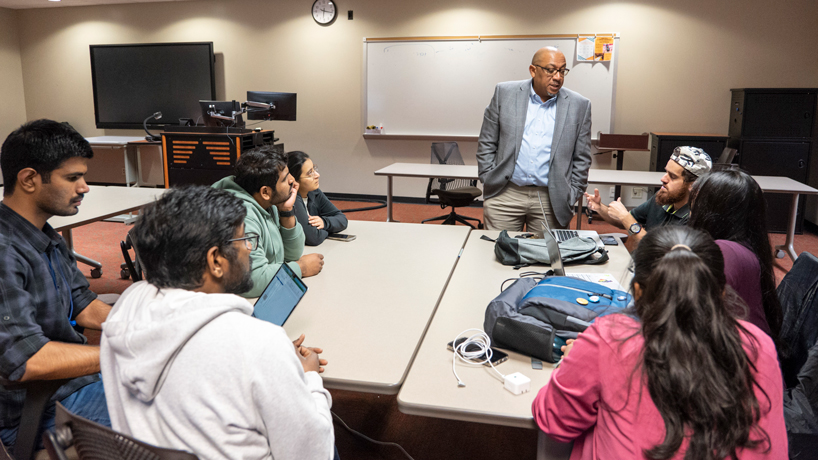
(605, 279)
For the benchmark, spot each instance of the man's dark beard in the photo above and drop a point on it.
(240, 281)
(668, 198)
(280, 199)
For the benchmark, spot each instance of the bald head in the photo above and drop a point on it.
(546, 72)
(546, 54)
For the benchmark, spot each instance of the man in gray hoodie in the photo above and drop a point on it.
(184, 363)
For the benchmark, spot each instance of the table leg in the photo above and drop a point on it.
(620, 161)
(69, 241)
(788, 248)
(549, 449)
(138, 166)
(389, 199)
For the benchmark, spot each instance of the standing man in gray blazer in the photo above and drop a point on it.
(535, 143)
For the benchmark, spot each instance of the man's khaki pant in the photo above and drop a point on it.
(518, 207)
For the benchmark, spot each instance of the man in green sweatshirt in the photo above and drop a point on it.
(268, 191)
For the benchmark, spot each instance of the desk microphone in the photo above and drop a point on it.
(152, 137)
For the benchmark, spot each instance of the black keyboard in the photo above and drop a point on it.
(563, 235)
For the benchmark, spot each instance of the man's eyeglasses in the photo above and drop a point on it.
(312, 172)
(250, 240)
(550, 72)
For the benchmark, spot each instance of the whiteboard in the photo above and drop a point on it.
(440, 86)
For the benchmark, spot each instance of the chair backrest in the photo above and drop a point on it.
(134, 266)
(446, 153)
(726, 156)
(798, 294)
(38, 396)
(96, 442)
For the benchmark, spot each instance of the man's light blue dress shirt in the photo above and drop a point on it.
(534, 159)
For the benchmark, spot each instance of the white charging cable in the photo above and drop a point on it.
(475, 350)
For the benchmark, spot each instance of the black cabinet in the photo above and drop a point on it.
(202, 155)
(662, 145)
(774, 131)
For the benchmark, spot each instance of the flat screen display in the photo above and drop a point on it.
(132, 82)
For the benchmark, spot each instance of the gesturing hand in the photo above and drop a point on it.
(594, 201)
(617, 210)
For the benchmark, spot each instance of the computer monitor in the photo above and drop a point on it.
(284, 106)
(223, 108)
(130, 82)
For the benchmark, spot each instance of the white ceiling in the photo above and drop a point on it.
(26, 4)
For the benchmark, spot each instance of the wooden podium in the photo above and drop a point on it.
(202, 155)
(621, 143)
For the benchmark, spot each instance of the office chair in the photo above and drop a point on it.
(798, 294)
(131, 268)
(38, 395)
(93, 441)
(454, 193)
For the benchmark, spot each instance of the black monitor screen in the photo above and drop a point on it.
(223, 108)
(284, 106)
(131, 82)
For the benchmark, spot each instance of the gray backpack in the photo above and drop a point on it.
(522, 252)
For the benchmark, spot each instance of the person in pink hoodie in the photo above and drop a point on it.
(678, 378)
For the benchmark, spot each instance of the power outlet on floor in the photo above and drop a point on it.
(636, 193)
(612, 192)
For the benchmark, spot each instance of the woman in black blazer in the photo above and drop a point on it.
(313, 210)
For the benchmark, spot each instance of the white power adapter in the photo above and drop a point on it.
(517, 383)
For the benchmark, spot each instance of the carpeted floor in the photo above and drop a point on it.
(377, 416)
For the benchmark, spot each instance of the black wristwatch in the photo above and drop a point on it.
(289, 213)
(634, 228)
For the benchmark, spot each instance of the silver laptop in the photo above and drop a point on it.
(554, 254)
(562, 235)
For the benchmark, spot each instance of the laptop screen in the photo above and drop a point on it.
(280, 297)
(554, 253)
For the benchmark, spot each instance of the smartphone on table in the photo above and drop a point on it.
(340, 237)
(609, 240)
(497, 356)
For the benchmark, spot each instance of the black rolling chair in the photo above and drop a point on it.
(38, 395)
(131, 268)
(798, 294)
(454, 193)
(93, 441)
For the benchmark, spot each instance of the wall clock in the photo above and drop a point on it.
(324, 12)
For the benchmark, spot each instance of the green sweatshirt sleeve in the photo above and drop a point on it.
(293, 239)
(261, 267)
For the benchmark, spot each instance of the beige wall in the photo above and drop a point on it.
(12, 103)
(678, 61)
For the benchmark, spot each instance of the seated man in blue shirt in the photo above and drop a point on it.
(43, 295)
